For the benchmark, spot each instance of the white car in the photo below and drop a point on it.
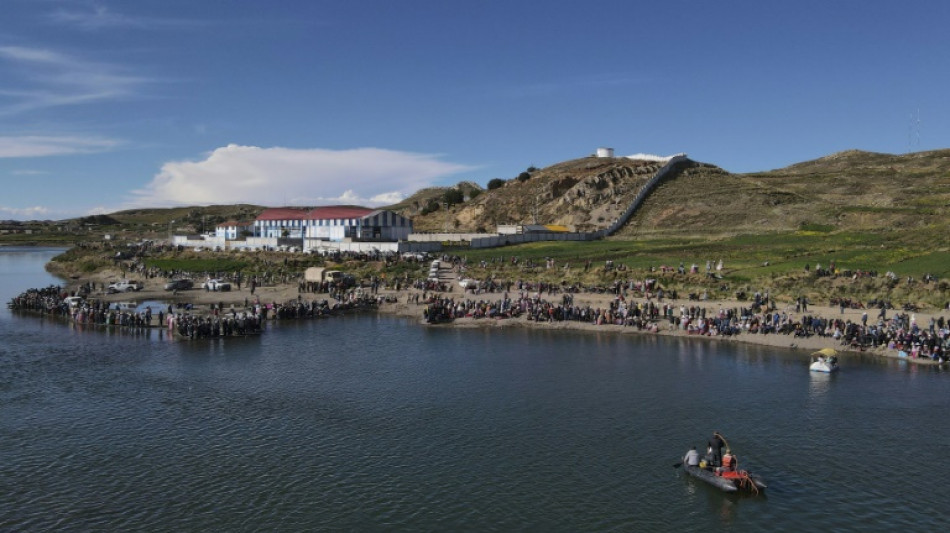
(74, 301)
(124, 285)
(216, 285)
(467, 282)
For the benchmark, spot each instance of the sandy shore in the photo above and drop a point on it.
(202, 299)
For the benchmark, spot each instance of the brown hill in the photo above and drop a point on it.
(851, 190)
(432, 198)
(903, 198)
(192, 219)
(583, 194)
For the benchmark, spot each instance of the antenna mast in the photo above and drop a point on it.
(913, 135)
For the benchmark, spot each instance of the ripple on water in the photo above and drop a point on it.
(314, 427)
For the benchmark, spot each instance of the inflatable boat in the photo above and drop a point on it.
(729, 481)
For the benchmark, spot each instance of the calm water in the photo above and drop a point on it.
(376, 423)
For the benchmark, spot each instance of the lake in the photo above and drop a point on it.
(376, 423)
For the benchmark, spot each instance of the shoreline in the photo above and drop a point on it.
(202, 300)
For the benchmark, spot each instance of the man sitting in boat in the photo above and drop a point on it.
(692, 457)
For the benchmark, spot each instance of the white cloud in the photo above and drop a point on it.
(95, 18)
(24, 213)
(37, 146)
(39, 79)
(99, 17)
(286, 176)
(387, 198)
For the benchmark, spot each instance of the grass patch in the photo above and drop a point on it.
(813, 229)
(199, 264)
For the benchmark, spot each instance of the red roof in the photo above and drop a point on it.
(283, 213)
(336, 212)
(330, 212)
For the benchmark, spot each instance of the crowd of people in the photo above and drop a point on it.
(55, 301)
(637, 303)
(185, 319)
(899, 332)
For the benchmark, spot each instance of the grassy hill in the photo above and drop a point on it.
(847, 191)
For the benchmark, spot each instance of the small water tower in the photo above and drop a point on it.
(605, 152)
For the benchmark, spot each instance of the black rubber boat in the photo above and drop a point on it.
(730, 481)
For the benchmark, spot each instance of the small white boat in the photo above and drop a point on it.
(826, 360)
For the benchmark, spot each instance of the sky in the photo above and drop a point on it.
(108, 105)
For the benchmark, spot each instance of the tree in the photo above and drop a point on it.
(453, 196)
(523, 177)
(495, 183)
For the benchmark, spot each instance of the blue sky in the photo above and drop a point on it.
(108, 105)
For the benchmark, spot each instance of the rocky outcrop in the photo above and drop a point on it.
(585, 194)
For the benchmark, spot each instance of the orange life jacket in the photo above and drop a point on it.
(728, 462)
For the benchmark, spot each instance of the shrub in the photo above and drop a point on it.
(453, 196)
(524, 176)
(495, 183)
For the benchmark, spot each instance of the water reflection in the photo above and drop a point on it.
(819, 384)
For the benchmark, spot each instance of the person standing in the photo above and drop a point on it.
(716, 444)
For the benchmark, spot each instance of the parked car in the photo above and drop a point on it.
(179, 285)
(74, 301)
(216, 285)
(125, 285)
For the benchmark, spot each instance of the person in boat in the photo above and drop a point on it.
(692, 457)
(715, 444)
(729, 463)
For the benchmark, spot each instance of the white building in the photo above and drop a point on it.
(232, 230)
(333, 223)
(280, 222)
(356, 224)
